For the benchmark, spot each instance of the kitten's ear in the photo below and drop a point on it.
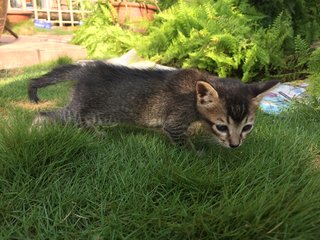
(260, 90)
(207, 96)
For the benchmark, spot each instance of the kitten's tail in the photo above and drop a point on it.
(59, 74)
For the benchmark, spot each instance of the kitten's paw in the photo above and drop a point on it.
(200, 153)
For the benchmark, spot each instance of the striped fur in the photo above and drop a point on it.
(167, 99)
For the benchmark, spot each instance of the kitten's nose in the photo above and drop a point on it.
(234, 145)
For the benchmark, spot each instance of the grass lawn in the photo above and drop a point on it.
(65, 183)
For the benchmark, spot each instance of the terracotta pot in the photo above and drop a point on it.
(133, 12)
(3, 15)
(18, 16)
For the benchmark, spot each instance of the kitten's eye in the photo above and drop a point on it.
(222, 128)
(247, 128)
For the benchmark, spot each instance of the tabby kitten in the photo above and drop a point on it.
(157, 98)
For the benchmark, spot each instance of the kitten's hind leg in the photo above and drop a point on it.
(61, 116)
(39, 120)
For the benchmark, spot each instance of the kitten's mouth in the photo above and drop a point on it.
(234, 146)
(228, 145)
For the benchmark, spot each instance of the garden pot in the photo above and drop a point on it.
(133, 12)
(17, 16)
(3, 15)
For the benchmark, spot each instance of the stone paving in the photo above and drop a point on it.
(30, 50)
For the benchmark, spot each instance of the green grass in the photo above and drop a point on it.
(28, 28)
(65, 183)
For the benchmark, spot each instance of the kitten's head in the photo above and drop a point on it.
(228, 107)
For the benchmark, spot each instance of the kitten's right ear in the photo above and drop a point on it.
(207, 96)
(259, 90)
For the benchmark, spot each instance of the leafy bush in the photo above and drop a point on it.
(305, 15)
(209, 36)
(227, 38)
(101, 36)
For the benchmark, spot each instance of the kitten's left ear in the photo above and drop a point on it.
(259, 90)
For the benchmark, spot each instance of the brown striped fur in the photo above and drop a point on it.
(167, 99)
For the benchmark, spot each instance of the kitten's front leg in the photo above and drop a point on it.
(178, 135)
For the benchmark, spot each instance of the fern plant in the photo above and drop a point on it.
(215, 36)
(209, 36)
(227, 37)
(102, 36)
(305, 15)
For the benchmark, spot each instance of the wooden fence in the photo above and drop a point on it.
(57, 12)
